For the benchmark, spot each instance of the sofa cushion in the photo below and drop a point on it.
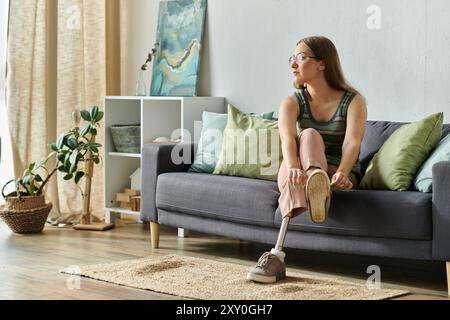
(397, 162)
(251, 147)
(372, 213)
(228, 198)
(424, 179)
(211, 138)
(377, 132)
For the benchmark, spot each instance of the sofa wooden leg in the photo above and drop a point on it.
(154, 233)
(448, 277)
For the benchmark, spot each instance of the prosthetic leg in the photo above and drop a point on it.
(271, 267)
(278, 250)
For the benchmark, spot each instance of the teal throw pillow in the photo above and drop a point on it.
(423, 180)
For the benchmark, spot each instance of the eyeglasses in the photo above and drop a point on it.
(299, 58)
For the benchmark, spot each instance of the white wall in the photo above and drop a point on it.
(139, 25)
(403, 69)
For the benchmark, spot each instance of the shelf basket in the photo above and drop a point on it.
(126, 138)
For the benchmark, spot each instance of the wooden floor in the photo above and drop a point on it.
(30, 265)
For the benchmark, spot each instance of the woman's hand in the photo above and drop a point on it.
(341, 181)
(297, 177)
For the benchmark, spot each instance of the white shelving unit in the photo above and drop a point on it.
(158, 117)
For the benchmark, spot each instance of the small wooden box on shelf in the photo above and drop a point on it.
(129, 199)
(158, 117)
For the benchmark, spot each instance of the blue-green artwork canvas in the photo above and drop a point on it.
(177, 61)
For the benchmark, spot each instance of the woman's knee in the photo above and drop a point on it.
(310, 133)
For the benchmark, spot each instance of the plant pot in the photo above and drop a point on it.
(15, 203)
(25, 215)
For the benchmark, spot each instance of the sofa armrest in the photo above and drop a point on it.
(157, 159)
(441, 211)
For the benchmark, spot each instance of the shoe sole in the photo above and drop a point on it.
(317, 193)
(264, 279)
(261, 278)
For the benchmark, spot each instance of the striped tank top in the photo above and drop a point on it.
(332, 132)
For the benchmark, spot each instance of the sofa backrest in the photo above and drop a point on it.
(377, 132)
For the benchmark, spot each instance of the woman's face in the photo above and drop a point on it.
(303, 66)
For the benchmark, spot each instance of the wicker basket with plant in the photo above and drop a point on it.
(25, 209)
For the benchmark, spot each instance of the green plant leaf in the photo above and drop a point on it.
(73, 157)
(61, 156)
(31, 189)
(73, 168)
(94, 131)
(54, 147)
(67, 162)
(94, 149)
(94, 113)
(62, 168)
(86, 115)
(100, 116)
(26, 180)
(60, 142)
(85, 130)
(68, 177)
(78, 176)
(96, 160)
(31, 166)
(72, 143)
(38, 178)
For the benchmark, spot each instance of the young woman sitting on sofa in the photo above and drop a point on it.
(320, 143)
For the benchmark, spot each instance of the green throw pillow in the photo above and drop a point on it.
(210, 143)
(251, 147)
(397, 161)
(423, 180)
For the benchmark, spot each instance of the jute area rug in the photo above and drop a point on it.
(204, 279)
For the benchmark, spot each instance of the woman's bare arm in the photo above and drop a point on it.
(356, 124)
(288, 114)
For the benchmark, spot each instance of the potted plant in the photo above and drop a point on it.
(25, 210)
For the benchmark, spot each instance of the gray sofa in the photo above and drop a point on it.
(410, 225)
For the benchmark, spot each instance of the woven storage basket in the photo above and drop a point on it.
(126, 138)
(25, 215)
(24, 203)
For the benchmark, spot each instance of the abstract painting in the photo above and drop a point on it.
(176, 64)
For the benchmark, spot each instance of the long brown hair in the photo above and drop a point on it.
(325, 50)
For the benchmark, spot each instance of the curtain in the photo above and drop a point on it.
(5, 170)
(58, 62)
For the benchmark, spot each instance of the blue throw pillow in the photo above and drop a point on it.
(423, 180)
(211, 139)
